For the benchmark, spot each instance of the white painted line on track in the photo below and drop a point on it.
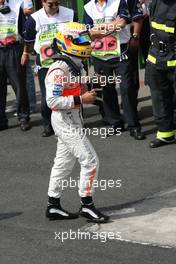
(145, 243)
(121, 212)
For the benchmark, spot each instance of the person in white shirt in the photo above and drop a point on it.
(115, 14)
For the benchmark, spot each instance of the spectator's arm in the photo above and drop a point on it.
(30, 30)
(136, 31)
(135, 10)
(124, 12)
(29, 38)
(137, 16)
(137, 26)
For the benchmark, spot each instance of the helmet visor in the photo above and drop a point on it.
(83, 39)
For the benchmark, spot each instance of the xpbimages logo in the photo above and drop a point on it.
(85, 235)
(102, 184)
(103, 26)
(101, 132)
(96, 79)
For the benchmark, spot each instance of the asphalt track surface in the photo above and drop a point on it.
(25, 163)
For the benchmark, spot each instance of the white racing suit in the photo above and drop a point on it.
(63, 97)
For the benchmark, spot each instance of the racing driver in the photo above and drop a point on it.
(65, 99)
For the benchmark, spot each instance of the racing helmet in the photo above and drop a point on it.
(73, 39)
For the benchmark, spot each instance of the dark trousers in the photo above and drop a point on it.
(162, 86)
(10, 66)
(110, 98)
(45, 110)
